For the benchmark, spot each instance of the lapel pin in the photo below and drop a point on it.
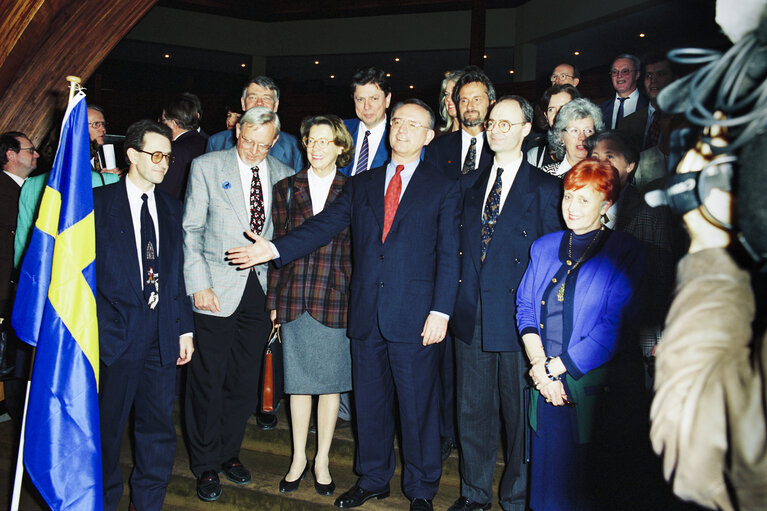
(226, 185)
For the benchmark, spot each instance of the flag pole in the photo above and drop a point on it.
(74, 86)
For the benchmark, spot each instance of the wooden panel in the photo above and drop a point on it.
(42, 42)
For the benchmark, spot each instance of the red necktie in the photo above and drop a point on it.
(391, 200)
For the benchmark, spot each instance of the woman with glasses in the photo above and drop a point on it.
(309, 297)
(447, 108)
(578, 296)
(575, 122)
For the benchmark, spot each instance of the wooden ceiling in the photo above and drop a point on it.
(283, 10)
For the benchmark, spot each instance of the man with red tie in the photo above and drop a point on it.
(404, 222)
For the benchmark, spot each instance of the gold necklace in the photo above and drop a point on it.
(569, 262)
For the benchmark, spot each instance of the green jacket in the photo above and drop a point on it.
(29, 204)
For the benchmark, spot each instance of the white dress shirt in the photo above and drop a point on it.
(374, 140)
(246, 177)
(507, 179)
(319, 188)
(135, 202)
(466, 142)
(19, 180)
(629, 106)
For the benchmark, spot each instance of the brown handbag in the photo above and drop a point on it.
(271, 374)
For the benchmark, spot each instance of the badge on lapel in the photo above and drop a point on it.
(226, 185)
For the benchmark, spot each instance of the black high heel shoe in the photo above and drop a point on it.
(291, 486)
(324, 489)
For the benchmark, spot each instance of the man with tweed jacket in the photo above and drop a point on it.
(229, 193)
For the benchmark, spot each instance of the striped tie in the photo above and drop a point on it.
(362, 161)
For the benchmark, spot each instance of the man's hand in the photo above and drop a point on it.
(185, 349)
(117, 171)
(434, 329)
(250, 255)
(206, 300)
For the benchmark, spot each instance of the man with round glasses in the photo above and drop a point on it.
(566, 74)
(145, 318)
(624, 73)
(510, 205)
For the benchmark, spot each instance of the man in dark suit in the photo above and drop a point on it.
(262, 91)
(465, 151)
(145, 318)
(404, 223)
(628, 98)
(18, 158)
(509, 206)
(371, 94)
(180, 115)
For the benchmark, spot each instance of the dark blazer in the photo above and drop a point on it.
(120, 300)
(634, 126)
(319, 282)
(445, 153)
(9, 211)
(608, 105)
(382, 155)
(531, 210)
(394, 284)
(185, 148)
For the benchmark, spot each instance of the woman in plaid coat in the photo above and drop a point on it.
(309, 298)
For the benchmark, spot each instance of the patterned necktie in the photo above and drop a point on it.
(471, 157)
(490, 214)
(620, 112)
(362, 161)
(391, 200)
(257, 214)
(653, 132)
(149, 259)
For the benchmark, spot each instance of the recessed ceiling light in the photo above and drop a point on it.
(316, 62)
(576, 53)
(332, 76)
(167, 55)
(388, 75)
(642, 34)
(396, 59)
(511, 71)
(412, 86)
(242, 65)
(484, 56)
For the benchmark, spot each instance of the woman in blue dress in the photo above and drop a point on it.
(577, 296)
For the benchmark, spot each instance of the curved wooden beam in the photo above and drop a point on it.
(43, 41)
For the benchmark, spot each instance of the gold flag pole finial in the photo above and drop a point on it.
(74, 85)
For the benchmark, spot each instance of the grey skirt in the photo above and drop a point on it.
(316, 358)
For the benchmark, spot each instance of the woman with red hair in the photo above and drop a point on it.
(577, 296)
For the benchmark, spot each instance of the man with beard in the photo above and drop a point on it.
(465, 151)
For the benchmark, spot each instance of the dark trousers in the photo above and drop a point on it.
(489, 385)
(223, 378)
(447, 388)
(379, 369)
(137, 380)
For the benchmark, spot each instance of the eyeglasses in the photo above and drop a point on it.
(397, 122)
(32, 149)
(504, 126)
(262, 148)
(561, 76)
(98, 124)
(575, 132)
(157, 156)
(621, 72)
(322, 143)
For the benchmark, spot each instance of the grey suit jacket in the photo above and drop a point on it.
(215, 220)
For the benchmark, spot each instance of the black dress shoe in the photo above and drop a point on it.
(324, 489)
(236, 471)
(464, 504)
(446, 446)
(357, 496)
(208, 486)
(421, 505)
(291, 486)
(266, 421)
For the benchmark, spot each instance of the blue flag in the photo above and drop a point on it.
(55, 310)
